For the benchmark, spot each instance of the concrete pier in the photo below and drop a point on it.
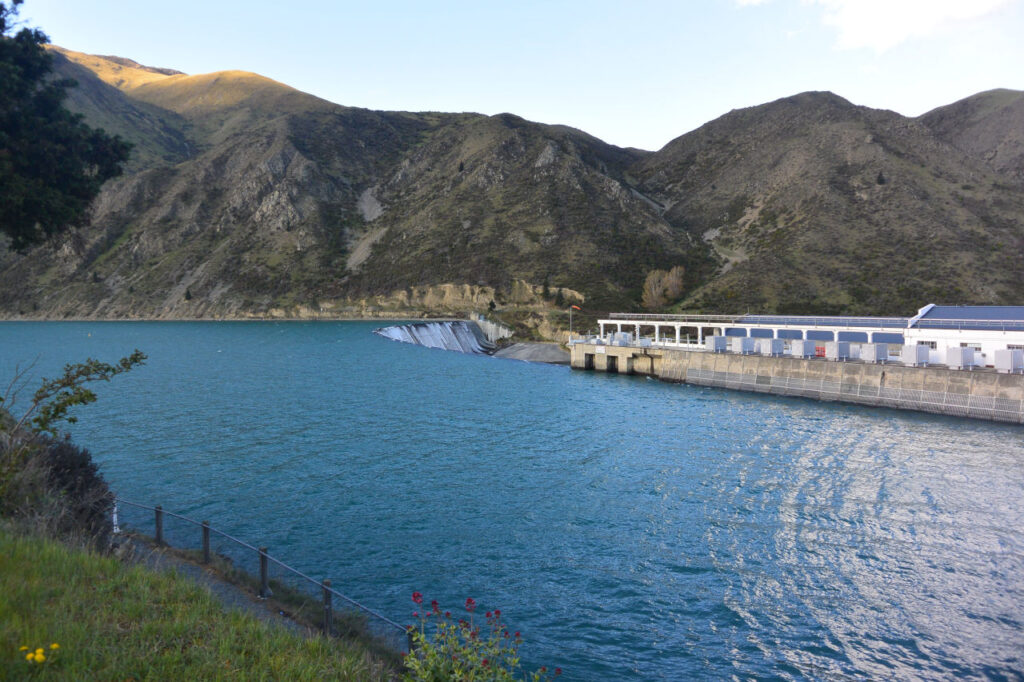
(979, 393)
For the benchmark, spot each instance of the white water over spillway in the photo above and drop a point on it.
(462, 336)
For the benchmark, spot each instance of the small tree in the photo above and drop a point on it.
(674, 283)
(653, 295)
(51, 402)
(661, 287)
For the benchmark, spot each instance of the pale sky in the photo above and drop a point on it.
(636, 73)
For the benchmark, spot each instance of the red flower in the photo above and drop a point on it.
(497, 612)
(543, 668)
(417, 597)
(488, 614)
(447, 614)
(558, 671)
(470, 604)
(434, 605)
(415, 614)
(484, 662)
(517, 634)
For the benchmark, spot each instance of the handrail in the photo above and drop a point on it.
(277, 561)
(192, 521)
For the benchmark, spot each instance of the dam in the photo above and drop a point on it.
(457, 335)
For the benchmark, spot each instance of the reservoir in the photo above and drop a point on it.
(630, 529)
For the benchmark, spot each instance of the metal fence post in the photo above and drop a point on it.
(206, 542)
(328, 608)
(159, 524)
(264, 574)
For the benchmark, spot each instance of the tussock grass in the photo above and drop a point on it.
(114, 621)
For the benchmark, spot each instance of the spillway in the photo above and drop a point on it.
(458, 335)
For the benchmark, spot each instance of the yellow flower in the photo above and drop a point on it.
(30, 657)
(39, 651)
(23, 648)
(40, 657)
(55, 646)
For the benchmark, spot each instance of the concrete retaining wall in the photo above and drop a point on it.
(981, 394)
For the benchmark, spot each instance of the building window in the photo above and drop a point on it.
(930, 344)
(975, 346)
(1014, 346)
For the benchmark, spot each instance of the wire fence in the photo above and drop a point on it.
(296, 594)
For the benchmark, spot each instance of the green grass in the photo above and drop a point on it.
(114, 621)
(298, 605)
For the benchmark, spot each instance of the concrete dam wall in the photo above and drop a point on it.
(980, 394)
(457, 335)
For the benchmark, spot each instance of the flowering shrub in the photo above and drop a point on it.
(444, 648)
(39, 655)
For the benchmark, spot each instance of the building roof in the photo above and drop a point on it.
(1004, 313)
(991, 317)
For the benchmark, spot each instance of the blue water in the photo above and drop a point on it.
(630, 529)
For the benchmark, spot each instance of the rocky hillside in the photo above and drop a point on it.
(245, 197)
(988, 126)
(813, 204)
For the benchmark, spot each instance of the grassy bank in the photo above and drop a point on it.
(113, 621)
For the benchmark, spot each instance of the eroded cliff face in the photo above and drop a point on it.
(436, 301)
(441, 300)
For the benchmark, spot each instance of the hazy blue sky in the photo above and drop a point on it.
(635, 73)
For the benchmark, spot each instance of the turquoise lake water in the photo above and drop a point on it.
(630, 529)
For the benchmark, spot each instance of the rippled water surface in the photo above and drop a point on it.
(630, 529)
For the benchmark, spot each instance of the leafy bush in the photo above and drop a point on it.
(46, 481)
(444, 648)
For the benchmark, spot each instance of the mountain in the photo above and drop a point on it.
(246, 197)
(815, 205)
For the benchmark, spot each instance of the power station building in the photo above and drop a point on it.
(960, 336)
